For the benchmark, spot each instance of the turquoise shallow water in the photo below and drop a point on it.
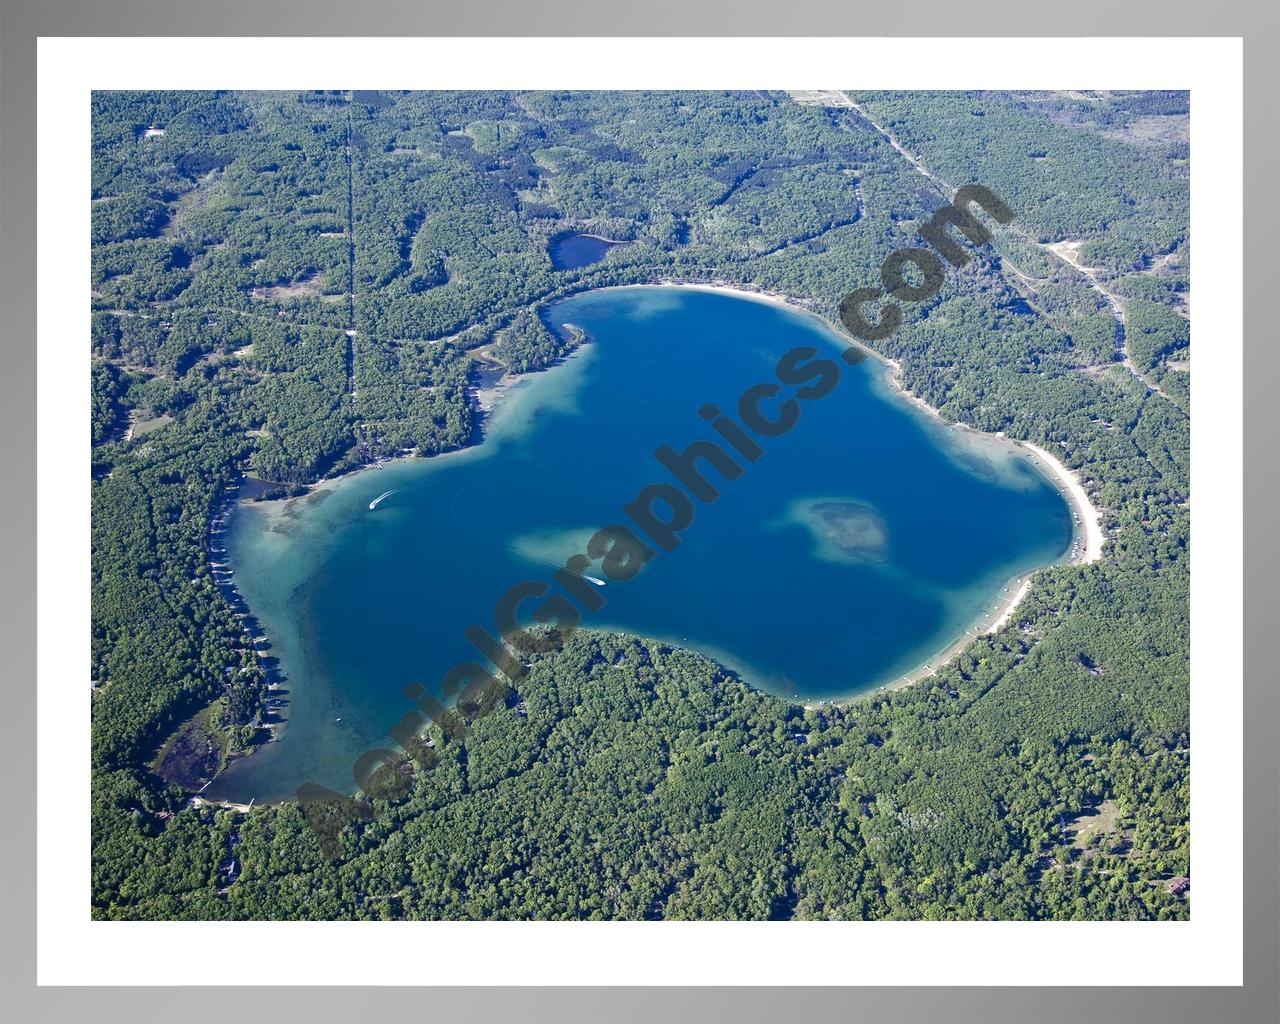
(861, 543)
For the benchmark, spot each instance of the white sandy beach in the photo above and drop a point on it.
(775, 298)
(1009, 606)
(992, 622)
(1090, 517)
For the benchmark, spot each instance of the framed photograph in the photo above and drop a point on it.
(625, 513)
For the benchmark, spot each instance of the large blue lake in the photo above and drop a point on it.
(862, 543)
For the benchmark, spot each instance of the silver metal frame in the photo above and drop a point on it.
(21, 23)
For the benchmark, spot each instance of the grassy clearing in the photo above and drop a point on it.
(141, 427)
(1101, 822)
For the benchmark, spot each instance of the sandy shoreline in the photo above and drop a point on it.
(1009, 606)
(1010, 597)
(759, 294)
(1089, 518)
(488, 397)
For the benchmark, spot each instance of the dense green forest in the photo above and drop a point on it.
(291, 285)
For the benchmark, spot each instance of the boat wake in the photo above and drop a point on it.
(378, 500)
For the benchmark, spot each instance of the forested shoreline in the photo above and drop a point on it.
(295, 285)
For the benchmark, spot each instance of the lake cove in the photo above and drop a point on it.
(865, 541)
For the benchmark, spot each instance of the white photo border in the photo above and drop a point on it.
(74, 950)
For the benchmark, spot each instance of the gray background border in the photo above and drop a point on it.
(1257, 21)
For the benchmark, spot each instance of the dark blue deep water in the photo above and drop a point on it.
(862, 543)
(574, 251)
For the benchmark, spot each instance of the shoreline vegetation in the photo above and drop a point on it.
(1086, 543)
